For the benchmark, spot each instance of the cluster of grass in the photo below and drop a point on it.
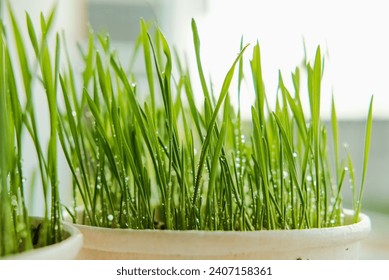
(166, 162)
(18, 120)
(163, 161)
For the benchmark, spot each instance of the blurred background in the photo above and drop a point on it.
(353, 35)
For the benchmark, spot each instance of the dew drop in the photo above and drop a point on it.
(14, 202)
(88, 115)
(20, 227)
(243, 139)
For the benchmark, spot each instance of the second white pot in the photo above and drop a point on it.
(68, 249)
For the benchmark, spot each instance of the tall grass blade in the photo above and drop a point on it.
(369, 125)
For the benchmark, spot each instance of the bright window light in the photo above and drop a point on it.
(353, 36)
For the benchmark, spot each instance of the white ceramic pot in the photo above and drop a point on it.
(67, 249)
(327, 243)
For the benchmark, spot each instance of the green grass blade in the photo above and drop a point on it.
(256, 70)
(369, 125)
(148, 64)
(196, 42)
(335, 133)
(204, 149)
(32, 34)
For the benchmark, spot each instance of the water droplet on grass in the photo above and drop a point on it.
(14, 201)
(243, 139)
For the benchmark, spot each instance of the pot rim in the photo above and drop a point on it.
(173, 241)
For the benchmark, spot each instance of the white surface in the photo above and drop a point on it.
(376, 246)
